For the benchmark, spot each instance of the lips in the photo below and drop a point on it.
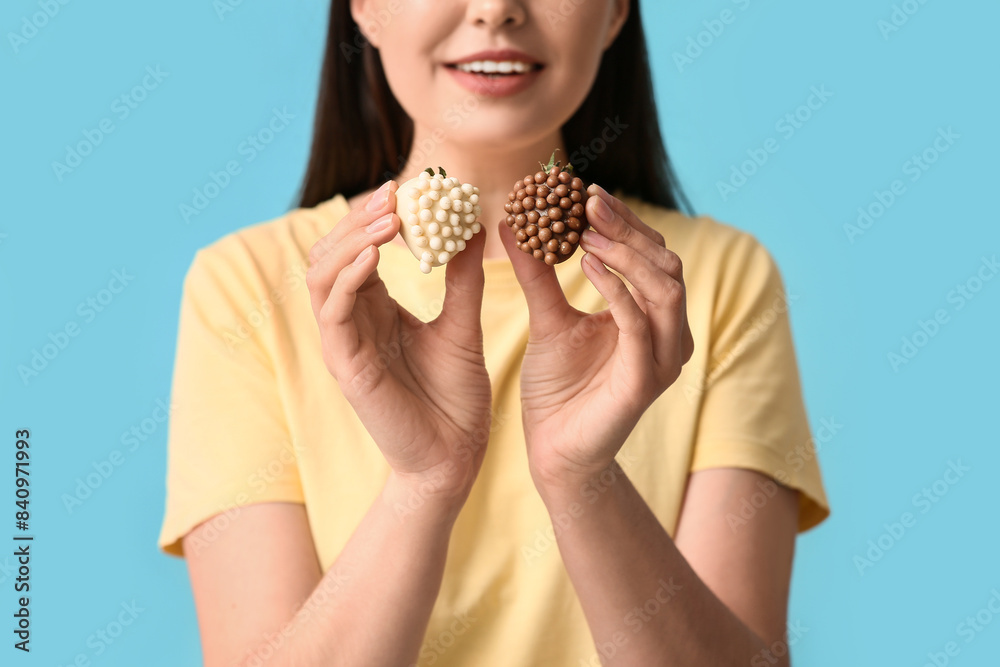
(496, 73)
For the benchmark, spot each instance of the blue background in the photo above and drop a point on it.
(60, 240)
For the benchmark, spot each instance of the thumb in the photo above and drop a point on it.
(547, 305)
(463, 288)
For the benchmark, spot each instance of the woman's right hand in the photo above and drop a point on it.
(420, 389)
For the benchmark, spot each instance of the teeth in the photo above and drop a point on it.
(494, 67)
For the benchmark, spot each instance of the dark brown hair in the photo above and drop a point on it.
(361, 134)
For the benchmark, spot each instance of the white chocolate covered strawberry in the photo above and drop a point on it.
(438, 215)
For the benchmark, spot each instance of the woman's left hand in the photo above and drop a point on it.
(587, 378)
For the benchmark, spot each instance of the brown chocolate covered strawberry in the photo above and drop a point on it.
(546, 212)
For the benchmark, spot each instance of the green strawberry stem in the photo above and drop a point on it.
(552, 163)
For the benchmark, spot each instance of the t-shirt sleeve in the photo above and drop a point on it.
(753, 415)
(228, 442)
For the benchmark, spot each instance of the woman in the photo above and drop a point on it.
(369, 466)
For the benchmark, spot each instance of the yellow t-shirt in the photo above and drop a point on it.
(257, 417)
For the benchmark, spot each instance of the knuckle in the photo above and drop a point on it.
(312, 279)
(673, 293)
(671, 263)
(326, 315)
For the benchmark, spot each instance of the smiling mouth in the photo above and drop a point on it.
(495, 69)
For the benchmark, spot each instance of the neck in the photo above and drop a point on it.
(493, 169)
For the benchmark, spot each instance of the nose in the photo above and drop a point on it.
(496, 13)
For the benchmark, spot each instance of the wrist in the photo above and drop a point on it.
(439, 493)
(560, 487)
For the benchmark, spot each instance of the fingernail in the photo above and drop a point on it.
(379, 225)
(590, 237)
(379, 199)
(364, 255)
(602, 211)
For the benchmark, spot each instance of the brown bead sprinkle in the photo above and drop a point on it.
(546, 213)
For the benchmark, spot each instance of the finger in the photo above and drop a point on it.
(664, 296)
(464, 280)
(633, 326)
(336, 316)
(613, 219)
(321, 276)
(374, 206)
(547, 305)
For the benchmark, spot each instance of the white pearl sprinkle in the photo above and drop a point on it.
(461, 245)
(433, 194)
(433, 228)
(425, 267)
(446, 232)
(467, 207)
(456, 193)
(443, 258)
(426, 256)
(476, 227)
(470, 218)
(474, 199)
(416, 230)
(436, 184)
(467, 188)
(444, 202)
(425, 202)
(467, 234)
(441, 216)
(449, 245)
(421, 241)
(436, 243)
(456, 206)
(426, 215)
(454, 219)
(414, 193)
(424, 175)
